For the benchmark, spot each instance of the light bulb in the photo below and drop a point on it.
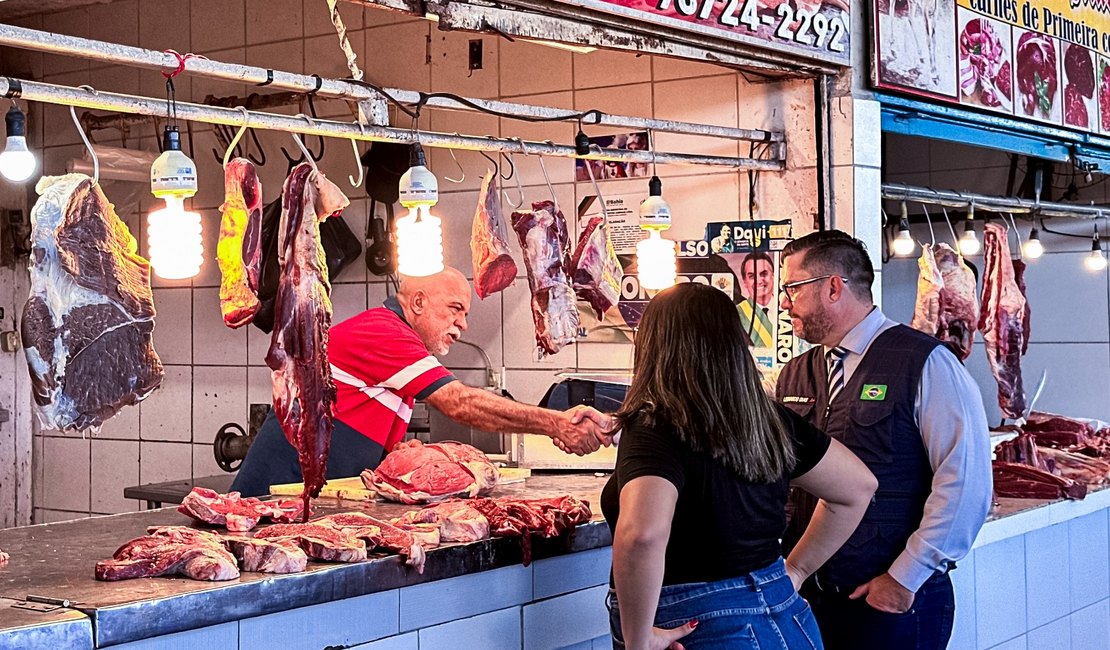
(419, 243)
(1033, 248)
(655, 262)
(1096, 261)
(174, 237)
(173, 233)
(903, 243)
(17, 163)
(969, 243)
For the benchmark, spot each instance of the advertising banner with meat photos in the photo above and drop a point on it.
(1043, 60)
(741, 258)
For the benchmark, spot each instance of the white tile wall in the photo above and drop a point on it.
(1048, 573)
(117, 467)
(1089, 575)
(455, 598)
(1053, 636)
(364, 619)
(213, 372)
(1089, 627)
(1000, 592)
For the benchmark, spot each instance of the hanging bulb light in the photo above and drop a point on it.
(419, 233)
(903, 242)
(1096, 261)
(655, 256)
(174, 234)
(969, 243)
(17, 163)
(1033, 248)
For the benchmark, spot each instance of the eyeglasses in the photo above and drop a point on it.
(791, 288)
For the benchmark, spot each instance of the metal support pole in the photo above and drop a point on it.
(82, 98)
(40, 41)
(1008, 204)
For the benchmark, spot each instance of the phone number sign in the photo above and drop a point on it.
(814, 29)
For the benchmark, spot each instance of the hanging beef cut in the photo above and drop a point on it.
(959, 305)
(494, 268)
(930, 284)
(1026, 327)
(597, 273)
(240, 248)
(86, 327)
(544, 240)
(1003, 310)
(303, 390)
(420, 473)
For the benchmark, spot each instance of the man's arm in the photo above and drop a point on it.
(954, 429)
(484, 410)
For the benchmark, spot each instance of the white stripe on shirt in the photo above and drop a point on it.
(382, 394)
(414, 370)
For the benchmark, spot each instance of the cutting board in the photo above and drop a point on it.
(352, 489)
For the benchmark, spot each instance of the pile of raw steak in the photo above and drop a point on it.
(1052, 457)
(343, 537)
(419, 473)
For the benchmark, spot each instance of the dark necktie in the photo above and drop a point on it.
(835, 359)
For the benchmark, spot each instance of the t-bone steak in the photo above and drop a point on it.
(87, 325)
(421, 473)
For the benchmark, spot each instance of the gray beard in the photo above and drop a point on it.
(816, 327)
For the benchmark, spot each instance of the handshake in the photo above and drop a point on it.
(582, 430)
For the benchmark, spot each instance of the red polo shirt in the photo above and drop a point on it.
(381, 367)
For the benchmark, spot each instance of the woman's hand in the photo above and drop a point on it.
(797, 576)
(662, 639)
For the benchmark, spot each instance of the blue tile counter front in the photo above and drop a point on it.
(477, 595)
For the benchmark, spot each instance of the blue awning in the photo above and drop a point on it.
(941, 122)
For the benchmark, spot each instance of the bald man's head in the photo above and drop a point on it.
(436, 306)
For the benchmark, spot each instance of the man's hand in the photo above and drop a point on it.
(578, 433)
(885, 594)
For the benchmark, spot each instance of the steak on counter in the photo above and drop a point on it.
(378, 533)
(87, 324)
(171, 550)
(419, 473)
(234, 512)
(1025, 482)
(458, 521)
(281, 555)
(494, 267)
(320, 542)
(304, 394)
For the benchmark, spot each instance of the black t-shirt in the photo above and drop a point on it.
(724, 525)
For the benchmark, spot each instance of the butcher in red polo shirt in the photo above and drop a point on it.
(382, 361)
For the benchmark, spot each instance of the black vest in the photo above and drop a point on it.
(873, 415)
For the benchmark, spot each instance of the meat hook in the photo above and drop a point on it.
(929, 220)
(85, 138)
(955, 239)
(547, 178)
(358, 159)
(516, 177)
(304, 150)
(238, 135)
(600, 198)
(462, 171)
(1017, 234)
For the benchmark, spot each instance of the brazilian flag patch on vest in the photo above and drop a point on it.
(873, 392)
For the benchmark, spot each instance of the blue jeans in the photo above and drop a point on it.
(758, 611)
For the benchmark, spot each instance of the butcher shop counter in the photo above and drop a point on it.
(476, 595)
(1037, 577)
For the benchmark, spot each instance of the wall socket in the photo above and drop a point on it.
(475, 60)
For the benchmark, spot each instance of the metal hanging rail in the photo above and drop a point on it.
(86, 97)
(40, 41)
(1008, 204)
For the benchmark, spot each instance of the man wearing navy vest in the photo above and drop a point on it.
(903, 403)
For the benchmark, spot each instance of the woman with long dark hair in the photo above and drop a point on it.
(697, 500)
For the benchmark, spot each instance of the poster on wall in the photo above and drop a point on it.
(1042, 60)
(741, 259)
(816, 29)
(605, 170)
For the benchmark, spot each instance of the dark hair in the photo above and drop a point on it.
(693, 371)
(835, 252)
(753, 257)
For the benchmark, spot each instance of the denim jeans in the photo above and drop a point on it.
(758, 611)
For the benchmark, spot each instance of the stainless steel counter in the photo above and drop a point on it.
(46, 627)
(56, 561)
